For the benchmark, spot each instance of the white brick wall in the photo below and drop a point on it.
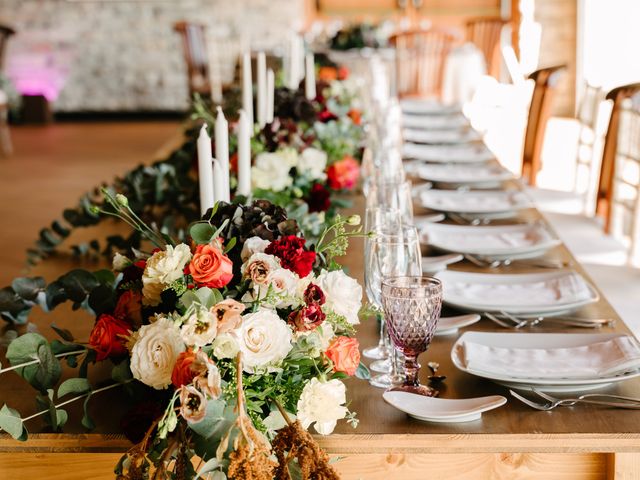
(123, 54)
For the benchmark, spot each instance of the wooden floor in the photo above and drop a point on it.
(52, 166)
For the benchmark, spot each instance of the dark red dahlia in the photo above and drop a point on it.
(319, 199)
(307, 318)
(292, 254)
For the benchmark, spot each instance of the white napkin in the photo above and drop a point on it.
(462, 173)
(435, 122)
(555, 291)
(456, 136)
(472, 201)
(447, 153)
(428, 107)
(467, 239)
(600, 359)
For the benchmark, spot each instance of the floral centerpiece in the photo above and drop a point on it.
(230, 345)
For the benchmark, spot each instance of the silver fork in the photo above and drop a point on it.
(550, 405)
(587, 396)
(568, 321)
(488, 263)
(507, 322)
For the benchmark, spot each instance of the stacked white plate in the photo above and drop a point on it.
(428, 107)
(435, 122)
(524, 294)
(552, 362)
(476, 175)
(453, 137)
(496, 242)
(464, 153)
(475, 202)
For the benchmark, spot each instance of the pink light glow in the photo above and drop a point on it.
(36, 74)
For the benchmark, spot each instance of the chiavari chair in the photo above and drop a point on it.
(6, 147)
(484, 33)
(196, 56)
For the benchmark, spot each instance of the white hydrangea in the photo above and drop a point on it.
(271, 171)
(322, 403)
(313, 163)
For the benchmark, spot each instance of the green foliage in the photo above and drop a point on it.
(74, 385)
(11, 423)
(34, 347)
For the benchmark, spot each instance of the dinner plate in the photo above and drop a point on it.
(525, 294)
(437, 263)
(538, 340)
(455, 153)
(457, 136)
(435, 122)
(465, 174)
(428, 107)
(475, 201)
(498, 242)
(450, 325)
(442, 410)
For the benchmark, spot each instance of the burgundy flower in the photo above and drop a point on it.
(314, 294)
(292, 254)
(307, 318)
(319, 198)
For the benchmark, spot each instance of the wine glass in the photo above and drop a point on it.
(392, 253)
(412, 306)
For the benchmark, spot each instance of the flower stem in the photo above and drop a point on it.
(37, 360)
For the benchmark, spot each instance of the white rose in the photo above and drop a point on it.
(343, 294)
(264, 340)
(162, 269)
(322, 403)
(200, 328)
(155, 352)
(271, 172)
(253, 245)
(225, 346)
(284, 284)
(259, 266)
(313, 162)
(120, 262)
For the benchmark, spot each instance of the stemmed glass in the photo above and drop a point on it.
(392, 253)
(412, 306)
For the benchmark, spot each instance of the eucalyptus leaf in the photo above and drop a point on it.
(78, 284)
(363, 372)
(102, 299)
(87, 421)
(33, 346)
(201, 232)
(77, 386)
(28, 288)
(11, 422)
(61, 419)
(121, 372)
(63, 332)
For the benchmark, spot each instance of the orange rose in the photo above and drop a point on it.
(343, 174)
(108, 337)
(227, 312)
(327, 74)
(182, 373)
(210, 267)
(344, 353)
(355, 116)
(129, 307)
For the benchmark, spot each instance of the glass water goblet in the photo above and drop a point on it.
(412, 308)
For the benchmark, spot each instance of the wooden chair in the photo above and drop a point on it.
(196, 57)
(604, 194)
(6, 148)
(485, 33)
(546, 81)
(420, 56)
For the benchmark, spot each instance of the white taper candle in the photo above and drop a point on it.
(310, 77)
(261, 103)
(271, 93)
(247, 87)
(244, 155)
(205, 172)
(222, 151)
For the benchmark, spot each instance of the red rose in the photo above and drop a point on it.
(307, 318)
(182, 373)
(326, 115)
(210, 267)
(319, 198)
(344, 353)
(343, 174)
(108, 337)
(314, 294)
(129, 307)
(292, 254)
(343, 73)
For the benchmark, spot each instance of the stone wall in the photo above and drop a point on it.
(122, 55)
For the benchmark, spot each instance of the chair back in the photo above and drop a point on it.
(546, 80)
(485, 33)
(420, 56)
(5, 33)
(617, 150)
(196, 56)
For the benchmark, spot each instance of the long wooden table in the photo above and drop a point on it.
(513, 441)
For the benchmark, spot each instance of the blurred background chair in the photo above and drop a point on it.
(484, 33)
(6, 147)
(196, 55)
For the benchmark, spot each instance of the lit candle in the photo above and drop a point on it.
(247, 87)
(310, 77)
(271, 93)
(244, 155)
(205, 172)
(261, 103)
(295, 55)
(222, 151)
(219, 178)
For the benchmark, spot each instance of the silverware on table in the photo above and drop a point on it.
(509, 320)
(634, 404)
(484, 262)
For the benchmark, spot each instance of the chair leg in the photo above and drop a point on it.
(6, 148)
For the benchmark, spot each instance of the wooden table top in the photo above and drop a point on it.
(509, 428)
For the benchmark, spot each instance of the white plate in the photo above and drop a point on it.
(450, 325)
(453, 137)
(516, 293)
(474, 202)
(438, 263)
(538, 340)
(435, 122)
(498, 242)
(427, 107)
(442, 410)
(464, 153)
(465, 174)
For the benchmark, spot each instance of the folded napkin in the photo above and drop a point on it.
(472, 201)
(464, 239)
(428, 107)
(450, 153)
(436, 122)
(604, 358)
(462, 173)
(553, 292)
(440, 136)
